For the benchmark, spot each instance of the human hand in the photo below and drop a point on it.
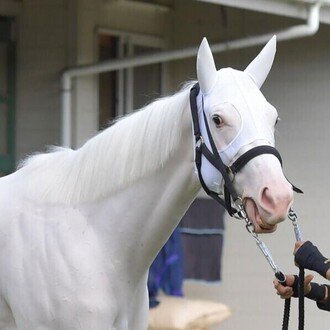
(291, 287)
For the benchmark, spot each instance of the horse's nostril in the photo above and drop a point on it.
(276, 200)
(267, 199)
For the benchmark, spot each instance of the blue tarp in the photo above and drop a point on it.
(166, 272)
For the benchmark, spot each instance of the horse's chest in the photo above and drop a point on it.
(52, 263)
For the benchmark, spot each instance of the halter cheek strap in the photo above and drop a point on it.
(214, 158)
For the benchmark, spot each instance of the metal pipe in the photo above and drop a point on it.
(294, 8)
(66, 113)
(299, 31)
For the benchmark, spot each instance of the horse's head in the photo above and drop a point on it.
(240, 118)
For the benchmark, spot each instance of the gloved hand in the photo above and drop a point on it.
(308, 256)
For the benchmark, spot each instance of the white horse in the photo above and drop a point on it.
(80, 228)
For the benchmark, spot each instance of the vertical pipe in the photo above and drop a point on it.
(66, 111)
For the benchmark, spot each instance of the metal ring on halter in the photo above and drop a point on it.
(240, 214)
(250, 227)
(292, 215)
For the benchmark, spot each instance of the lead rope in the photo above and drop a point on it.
(241, 214)
(301, 295)
(301, 308)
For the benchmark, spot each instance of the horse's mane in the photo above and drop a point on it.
(133, 146)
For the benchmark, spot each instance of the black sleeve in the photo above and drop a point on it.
(308, 256)
(325, 305)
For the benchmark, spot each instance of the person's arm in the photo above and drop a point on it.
(325, 303)
(308, 256)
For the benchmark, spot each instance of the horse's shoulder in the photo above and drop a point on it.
(7, 187)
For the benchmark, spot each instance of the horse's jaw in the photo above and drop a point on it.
(263, 219)
(252, 211)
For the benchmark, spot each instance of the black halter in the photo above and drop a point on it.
(230, 194)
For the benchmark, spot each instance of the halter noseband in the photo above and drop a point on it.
(214, 158)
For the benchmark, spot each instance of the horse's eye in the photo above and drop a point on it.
(217, 120)
(277, 120)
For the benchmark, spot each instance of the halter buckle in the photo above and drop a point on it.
(199, 141)
(230, 172)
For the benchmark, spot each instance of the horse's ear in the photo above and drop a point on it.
(259, 68)
(206, 70)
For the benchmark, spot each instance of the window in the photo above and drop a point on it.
(108, 81)
(123, 91)
(7, 86)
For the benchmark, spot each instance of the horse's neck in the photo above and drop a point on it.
(141, 217)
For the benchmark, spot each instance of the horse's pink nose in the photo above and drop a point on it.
(276, 200)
